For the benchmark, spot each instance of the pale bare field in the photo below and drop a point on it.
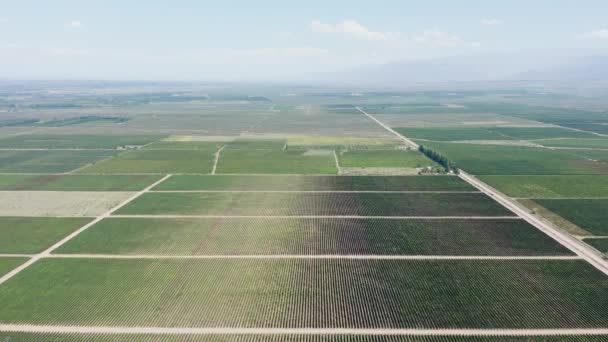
(58, 203)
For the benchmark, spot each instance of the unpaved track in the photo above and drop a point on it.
(48, 251)
(217, 158)
(313, 256)
(570, 242)
(328, 216)
(297, 331)
(328, 191)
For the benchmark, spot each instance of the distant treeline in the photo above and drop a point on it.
(438, 158)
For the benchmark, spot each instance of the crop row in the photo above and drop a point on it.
(343, 204)
(308, 293)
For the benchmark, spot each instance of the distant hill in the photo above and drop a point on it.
(555, 65)
(585, 68)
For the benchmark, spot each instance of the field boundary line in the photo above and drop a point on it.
(325, 191)
(578, 247)
(337, 162)
(514, 217)
(217, 159)
(568, 241)
(297, 331)
(560, 198)
(15, 255)
(409, 142)
(319, 256)
(58, 244)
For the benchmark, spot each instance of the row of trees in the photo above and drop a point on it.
(438, 158)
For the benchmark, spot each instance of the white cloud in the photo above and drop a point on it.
(352, 29)
(600, 34)
(491, 21)
(73, 24)
(442, 39)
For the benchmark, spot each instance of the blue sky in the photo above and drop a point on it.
(200, 40)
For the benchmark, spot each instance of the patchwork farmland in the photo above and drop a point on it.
(301, 220)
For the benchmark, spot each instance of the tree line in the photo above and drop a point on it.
(438, 158)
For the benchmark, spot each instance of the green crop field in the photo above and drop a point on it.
(58, 337)
(579, 143)
(275, 161)
(76, 182)
(341, 204)
(256, 144)
(601, 244)
(9, 263)
(314, 183)
(550, 186)
(451, 133)
(516, 160)
(589, 214)
(305, 236)
(156, 161)
(308, 293)
(49, 161)
(184, 145)
(384, 158)
(27, 235)
(528, 133)
(75, 141)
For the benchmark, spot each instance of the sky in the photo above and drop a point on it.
(274, 40)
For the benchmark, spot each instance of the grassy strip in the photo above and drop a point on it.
(550, 186)
(589, 214)
(599, 244)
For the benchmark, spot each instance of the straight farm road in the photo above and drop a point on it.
(49, 250)
(573, 244)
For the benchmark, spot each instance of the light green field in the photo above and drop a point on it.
(319, 204)
(49, 161)
(75, 141)
(184, 145)
(312, 236)
(517, 160)
(29, 235)
(9, 263)
(76, 182)
(315, 183)
(528, 133)
(451, 133)
(232, 293)
(156, 161)
(380, 158)
(550, 186)
(580, 143)
(275, 161)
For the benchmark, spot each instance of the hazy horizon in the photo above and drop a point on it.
(271, 40)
